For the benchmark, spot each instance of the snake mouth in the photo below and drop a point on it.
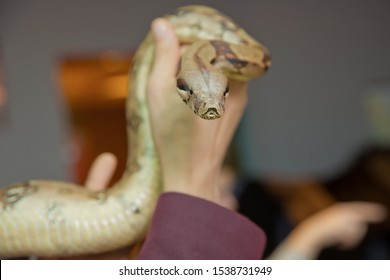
(211, 114)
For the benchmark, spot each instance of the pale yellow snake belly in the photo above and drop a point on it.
(48, 218)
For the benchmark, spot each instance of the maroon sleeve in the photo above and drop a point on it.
(189, 228)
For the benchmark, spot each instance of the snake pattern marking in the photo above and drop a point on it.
(49, 218)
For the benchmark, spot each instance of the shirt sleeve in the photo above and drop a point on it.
(190, 228)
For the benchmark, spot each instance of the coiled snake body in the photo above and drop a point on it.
(48, 218)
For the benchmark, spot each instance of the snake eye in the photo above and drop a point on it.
(191, 92)
(182, 85)
(225, 93)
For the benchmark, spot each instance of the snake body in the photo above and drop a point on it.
(49, 218)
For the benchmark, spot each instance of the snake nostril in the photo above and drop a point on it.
(211, 113)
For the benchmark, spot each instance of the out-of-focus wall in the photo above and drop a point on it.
(304, 117)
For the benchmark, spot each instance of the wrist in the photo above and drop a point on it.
(196, 184)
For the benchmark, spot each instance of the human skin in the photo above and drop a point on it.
(191, 149)
(342, 224)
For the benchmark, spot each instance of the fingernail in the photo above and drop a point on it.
(159, 28)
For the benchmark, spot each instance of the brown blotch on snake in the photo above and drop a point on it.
(10, 195)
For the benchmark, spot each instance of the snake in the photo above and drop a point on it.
(58, 219)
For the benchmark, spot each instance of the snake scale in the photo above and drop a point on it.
(49, 218)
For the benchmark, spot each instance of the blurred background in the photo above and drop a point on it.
(312, 124)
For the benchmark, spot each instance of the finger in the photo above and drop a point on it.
(167, 56)
(367, 211)
(101, 172)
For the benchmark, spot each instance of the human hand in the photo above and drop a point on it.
(191, 149)
(342, 224)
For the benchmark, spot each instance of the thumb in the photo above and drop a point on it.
(167, 55)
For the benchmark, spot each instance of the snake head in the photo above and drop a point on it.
(204, 93)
